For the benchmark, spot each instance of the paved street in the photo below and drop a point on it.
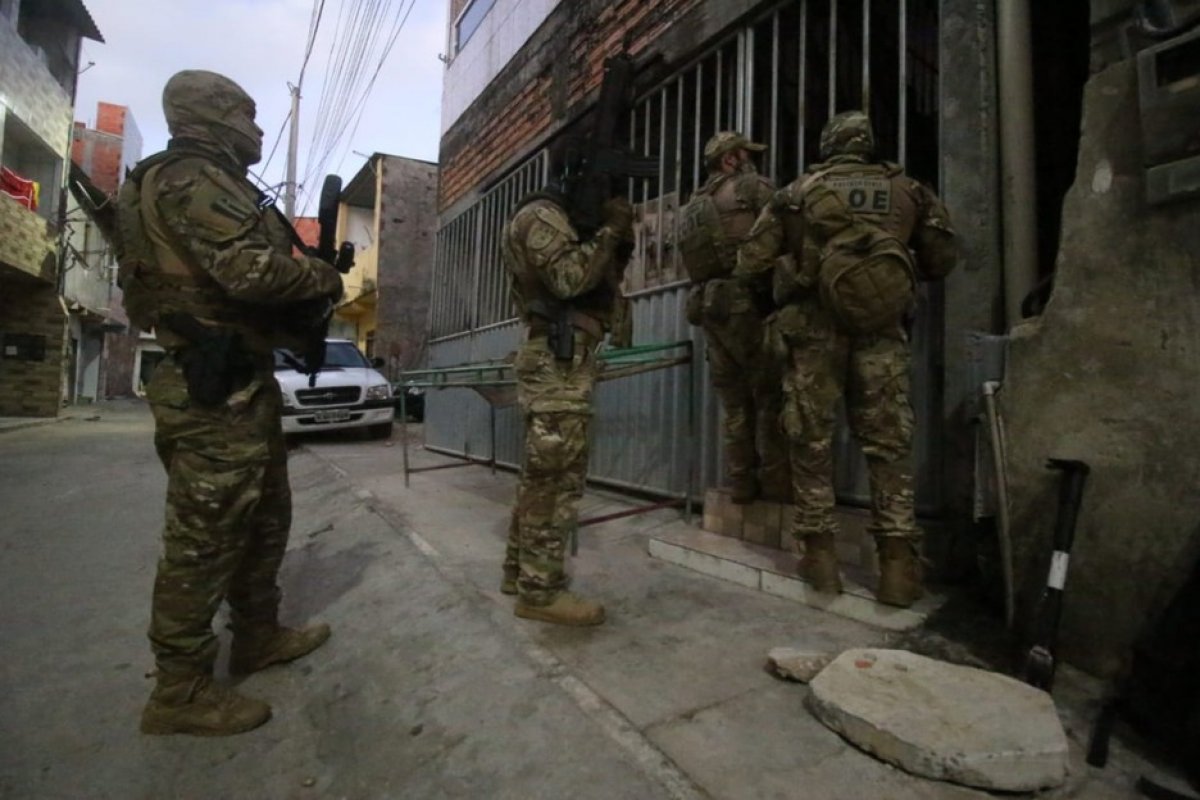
(430, 687)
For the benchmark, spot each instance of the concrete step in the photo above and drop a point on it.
(771, 570)
(769, 524)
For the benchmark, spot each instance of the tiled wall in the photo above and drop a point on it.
(506, 27)
(31, 93)
(550, 78)
(32, 388)
(26, 241)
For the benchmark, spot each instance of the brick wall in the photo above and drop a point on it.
(100, 155)
(550, 80)
(32, 388)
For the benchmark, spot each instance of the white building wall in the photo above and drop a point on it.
(506, 27)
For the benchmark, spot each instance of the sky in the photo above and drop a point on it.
(261, 45)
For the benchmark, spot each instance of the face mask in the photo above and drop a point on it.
(246, 138)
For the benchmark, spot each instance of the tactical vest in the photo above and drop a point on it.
(714, 222)
(858, 219)
(157, 274)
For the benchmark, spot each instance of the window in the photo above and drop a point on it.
(32, 159)
(469, 21)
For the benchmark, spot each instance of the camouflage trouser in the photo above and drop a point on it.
(751, 394)
(229, 508)
(556, 398)
(872, 374)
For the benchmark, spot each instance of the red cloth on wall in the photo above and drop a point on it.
(22, 190)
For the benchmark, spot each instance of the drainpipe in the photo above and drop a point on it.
(1017, 155)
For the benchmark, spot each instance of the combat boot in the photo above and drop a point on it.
(260, 646)
(567, 608)
(195, 705)
(819, 564)
(508, 584)
(900, 572)
(743, 490)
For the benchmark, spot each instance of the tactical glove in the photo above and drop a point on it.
(618, 215)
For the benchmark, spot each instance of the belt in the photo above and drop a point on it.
(540, 326)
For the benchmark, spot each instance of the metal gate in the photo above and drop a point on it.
(777, 78)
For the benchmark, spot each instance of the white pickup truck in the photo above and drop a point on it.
(349, 393)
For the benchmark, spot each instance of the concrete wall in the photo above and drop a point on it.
(407, 224)
(973, 295)
(1108, 374)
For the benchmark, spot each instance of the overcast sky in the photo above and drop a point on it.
(260, 44)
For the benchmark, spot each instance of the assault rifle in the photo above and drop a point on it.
(342, 258)
(596, 171)
(603, 165)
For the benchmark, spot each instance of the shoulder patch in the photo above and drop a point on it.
(216, 209)
(547, 228)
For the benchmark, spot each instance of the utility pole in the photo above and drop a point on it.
(289, 192)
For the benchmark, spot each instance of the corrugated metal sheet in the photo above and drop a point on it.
(640, 431)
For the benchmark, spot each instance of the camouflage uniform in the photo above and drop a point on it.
(825, 363)
(197, 241)
(549, 265)
(731, 315)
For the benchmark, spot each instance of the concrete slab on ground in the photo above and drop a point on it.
(943, 721)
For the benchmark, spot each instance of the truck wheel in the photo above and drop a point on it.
(380, 431)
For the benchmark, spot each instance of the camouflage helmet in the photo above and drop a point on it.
(848, 134)
(209, 107)
(727, 141)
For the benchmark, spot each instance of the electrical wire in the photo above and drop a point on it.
(337, 113)
(344, 114)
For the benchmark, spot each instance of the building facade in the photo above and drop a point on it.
(39, 56)
(105, 353)
(388, 211)
(1072, 225)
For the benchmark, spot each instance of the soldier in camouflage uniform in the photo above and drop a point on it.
(560, 279)
(208, 266)
(713, 223)
(825, 363)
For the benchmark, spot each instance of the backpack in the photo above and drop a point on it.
(866, 276)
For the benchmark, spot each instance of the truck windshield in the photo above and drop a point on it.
(337, 355)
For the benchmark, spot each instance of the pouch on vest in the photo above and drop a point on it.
(867, 279)
(702, 245)
(133, 251)
(774, 344)
(724, 297)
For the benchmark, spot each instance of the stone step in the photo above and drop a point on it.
(771, 570)
(769, 524)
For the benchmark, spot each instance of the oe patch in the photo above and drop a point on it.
(863, 195)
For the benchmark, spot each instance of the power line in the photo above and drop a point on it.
(314, 25)
(275, 146)
(354, 96)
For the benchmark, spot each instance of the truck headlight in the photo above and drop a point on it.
(287, 400)
(380, 392)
